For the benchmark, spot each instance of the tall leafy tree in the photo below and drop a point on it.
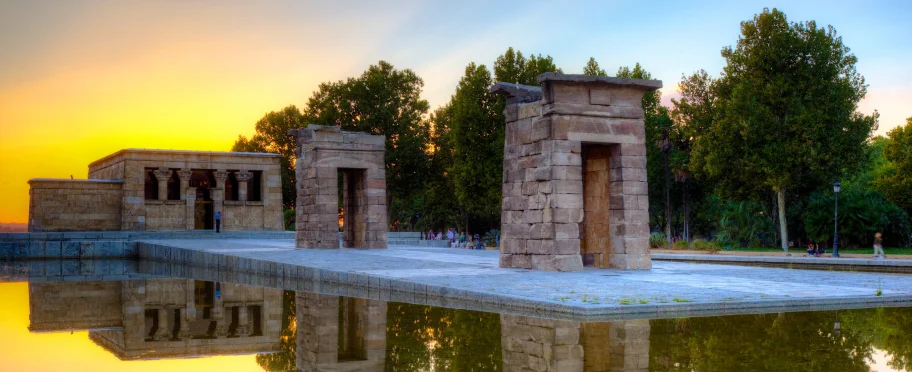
(896, 182)
(271, 136)
(692, 114)
(787, 114)
(592, 68)
(477, 135)
(383, 101)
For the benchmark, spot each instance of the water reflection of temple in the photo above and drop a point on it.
(158, 318)
(560, 345)
(340, 333)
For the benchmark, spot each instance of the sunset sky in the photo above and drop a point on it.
(82, 79)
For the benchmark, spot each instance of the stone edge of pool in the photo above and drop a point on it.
(232, 268)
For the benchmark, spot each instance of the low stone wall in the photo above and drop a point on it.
(106, 244)
(74, 205)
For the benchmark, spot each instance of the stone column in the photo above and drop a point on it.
(218, 312)
(243, 177)
(162, 175)
(220, 177)
(191, 208)
(184, 175)
(185, 324)
(218, 192)
(163, 332)
(243, 326)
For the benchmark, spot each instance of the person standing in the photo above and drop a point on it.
(218, 221)
(878, 245)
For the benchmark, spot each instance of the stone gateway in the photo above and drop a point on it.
(574, 180)
(325, 156)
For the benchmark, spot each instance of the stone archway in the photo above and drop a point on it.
(575, 174)
(326, 155)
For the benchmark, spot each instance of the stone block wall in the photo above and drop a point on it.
(545, 194)
(74, 205)
(536, 344)
(616, 346)
(323, 153)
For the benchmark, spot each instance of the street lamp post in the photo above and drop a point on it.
(836, 221)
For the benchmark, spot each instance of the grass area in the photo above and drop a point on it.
(887, 251)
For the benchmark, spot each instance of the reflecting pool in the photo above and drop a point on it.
(142, 322)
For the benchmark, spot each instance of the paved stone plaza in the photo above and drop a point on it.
(468, 275)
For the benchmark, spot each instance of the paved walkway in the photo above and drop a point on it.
(474, 276)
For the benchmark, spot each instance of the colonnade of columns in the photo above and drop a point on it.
(188, 193)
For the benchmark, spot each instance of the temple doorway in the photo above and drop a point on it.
(203, 211)
(595, 231)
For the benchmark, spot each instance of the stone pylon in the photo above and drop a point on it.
(324, 154)
(574, 181)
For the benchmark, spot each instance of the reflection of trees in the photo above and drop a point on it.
(896, 330)
(284, 360)
(892, 332)
(423, 338)
(769, 342)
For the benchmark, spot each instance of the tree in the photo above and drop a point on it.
(592, 68)
(271, 136)
(787, 116)
(477, 134)
(896, 182)
(692, 115)
(512, 67)
(382, 101)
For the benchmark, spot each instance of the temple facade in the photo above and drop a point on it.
(138, 189)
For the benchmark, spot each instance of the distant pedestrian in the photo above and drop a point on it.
(878, 245)
(462, 239)
(218, 221)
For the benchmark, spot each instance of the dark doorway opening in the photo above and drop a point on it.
(354, 207)
(595, 232)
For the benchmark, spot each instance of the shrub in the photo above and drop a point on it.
(680, 244)
(657, 240)
(703, 245)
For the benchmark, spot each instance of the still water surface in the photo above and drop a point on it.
(176, 324)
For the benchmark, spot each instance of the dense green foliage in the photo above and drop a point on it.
(896, 179)
(861, 215)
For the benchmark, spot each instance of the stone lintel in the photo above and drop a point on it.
(561, 78)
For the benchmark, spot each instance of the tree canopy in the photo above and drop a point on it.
(786, 116)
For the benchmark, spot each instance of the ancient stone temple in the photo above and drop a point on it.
(325, 156)
(574, 181)
(139, 189)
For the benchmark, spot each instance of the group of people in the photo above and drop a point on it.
(457, 240)
(814, 249)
